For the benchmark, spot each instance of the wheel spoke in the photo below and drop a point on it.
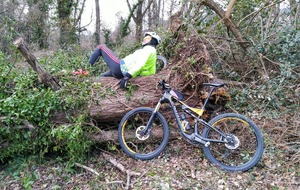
(242, 150)
(138, 145)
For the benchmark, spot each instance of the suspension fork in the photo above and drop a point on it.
(150, 122)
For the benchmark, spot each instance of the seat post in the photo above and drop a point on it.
(209, 94)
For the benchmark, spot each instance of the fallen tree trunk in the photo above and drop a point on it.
(112, 135)
(108, 103)
(114, 106)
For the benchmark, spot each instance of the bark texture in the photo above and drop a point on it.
(109, 103)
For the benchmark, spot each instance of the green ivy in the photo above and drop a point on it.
(286, 50)
(71, 139)
(25, 114)
(271, 99)
(26, 108)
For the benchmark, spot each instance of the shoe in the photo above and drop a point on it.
(106, 74)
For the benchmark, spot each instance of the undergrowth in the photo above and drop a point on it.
(26, 109)
(28, 133)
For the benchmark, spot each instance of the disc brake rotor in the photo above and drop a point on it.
(233, 143)
(139, 135)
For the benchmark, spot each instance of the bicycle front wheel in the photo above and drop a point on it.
(143, 147)
(244, 148)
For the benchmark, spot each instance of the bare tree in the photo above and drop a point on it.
(97, 33)
(153, 14)
(69, 15)
(159, 10)
(67, 30)
(172, 7)
(295, 12)
(37, 18)
(78, 10)
(139, 15)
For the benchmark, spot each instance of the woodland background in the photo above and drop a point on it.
(252, 45)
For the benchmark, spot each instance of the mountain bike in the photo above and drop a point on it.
(230, 141)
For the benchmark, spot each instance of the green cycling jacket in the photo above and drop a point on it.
(141, 63)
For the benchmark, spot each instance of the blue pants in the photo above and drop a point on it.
(112, 61)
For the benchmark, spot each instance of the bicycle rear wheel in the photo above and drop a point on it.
(143, 147)
(161, 63)
(246, 146)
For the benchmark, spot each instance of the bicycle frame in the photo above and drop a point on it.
(195, 113)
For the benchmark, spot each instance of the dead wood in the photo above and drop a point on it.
(87, 168)
(43, 76)
(108, 104)
(118, 165)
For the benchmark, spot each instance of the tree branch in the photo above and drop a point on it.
(87, 168)
(146, 9)
(227, 21)
(229, 9)
(43, 76)
(120, 166)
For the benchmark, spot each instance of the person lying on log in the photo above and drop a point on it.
(140, 63)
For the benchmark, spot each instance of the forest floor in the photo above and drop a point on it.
(180, 166)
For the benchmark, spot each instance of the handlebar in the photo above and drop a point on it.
(164, 85)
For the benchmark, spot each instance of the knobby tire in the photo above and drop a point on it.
(133, 144)
(250, 140)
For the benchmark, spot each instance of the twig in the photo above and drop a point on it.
(120, 166)
(116, 86)
(257, 11)
(139, 177)
(88, 169)
(263, 65)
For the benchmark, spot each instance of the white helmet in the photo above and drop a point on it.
(153, 35)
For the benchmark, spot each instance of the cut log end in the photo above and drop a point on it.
(18, 42)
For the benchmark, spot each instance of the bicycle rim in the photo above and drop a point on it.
(143, 147)
(247, 143)
(161, 63)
